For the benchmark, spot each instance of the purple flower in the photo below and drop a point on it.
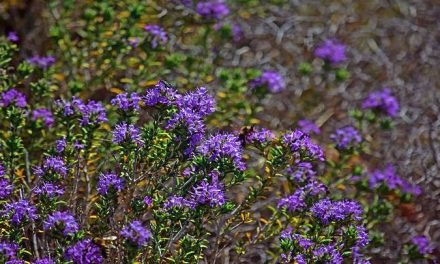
(423, 245)
(15, 261)
(85, 252)
(136, 233)
(159, 35)
(303, 242)
(13, 37)
(308, 127)
(127, 133)
(328, 211)
(223, 146)
(211, 194)
(91, 113)
(347, 137)
(126, 101)
(302, 146)
(8, 249)
(177, 202)
(328, 252)
(110, 180)
(261, 136)
(199, 102)
(133, 42)
(212, 9)
(20, 211)
(389, 178)
(6, 188)
(293, 202)
(271, 80)
(60, 145)
(331, 51)
(43, 114)
(361, 237)
(301, 172)
(382, 101)
(12, 96)
(44, 261)
(49, 190)
(42, 62)
(162, 93)
(148, 201)
(63, 220)
(51, 165)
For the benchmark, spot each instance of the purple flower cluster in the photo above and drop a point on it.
(301, 145)
(423, 245)
(211, 194)
(109, 181)
(382, 101)
(148, 201)
(389, 178)
(177, 202)
(345, 138)
(6, 186)
(127, 102)
(13, 37)
(85, 252)
(212, 9)
(161, 94)
(329, 253)
(296, 201)
(159, 35)
(136, 233)
(308, 127)
(43, 114)
(63, 220)
(20, 211)
(223, 146)
(261, 136)
(272, 80)
(303, 242)
(44, 261)
(14, 97)
(49, 190)
(328, 211)
(42, 62)
(301, 172)
(60, 145)
(51, 165)
(331, 51)
(127, 133)
(8, 249)
(91, 113)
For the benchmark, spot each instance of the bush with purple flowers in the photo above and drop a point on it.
(102, 160)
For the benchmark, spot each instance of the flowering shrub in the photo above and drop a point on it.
(148, 172)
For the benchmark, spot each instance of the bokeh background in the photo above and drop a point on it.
(392, 43)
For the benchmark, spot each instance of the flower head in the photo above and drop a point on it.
(331, 51)
(392, 180)
(328, 252)
(272, 80)
(44, 261)
(6, 188)
(261, 136)
(302, 146)
(42, 62)
(20, 211)
(223, 146)
(49, 190)
(110, 180)
(178, 202)
(8, 250)
(127, 102)
(63, 220)
(136, 233)
(60, 145)
(159, 35)
(161, 94)
(51, 165)
(328, 211)
(13, 97)
(85, 252)
(127, 133)
(423, 245)
(308, 127)
(212, 9)
(346, 138)
(382, 101)
(43, 114)
(211, 194)
(13, 37)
